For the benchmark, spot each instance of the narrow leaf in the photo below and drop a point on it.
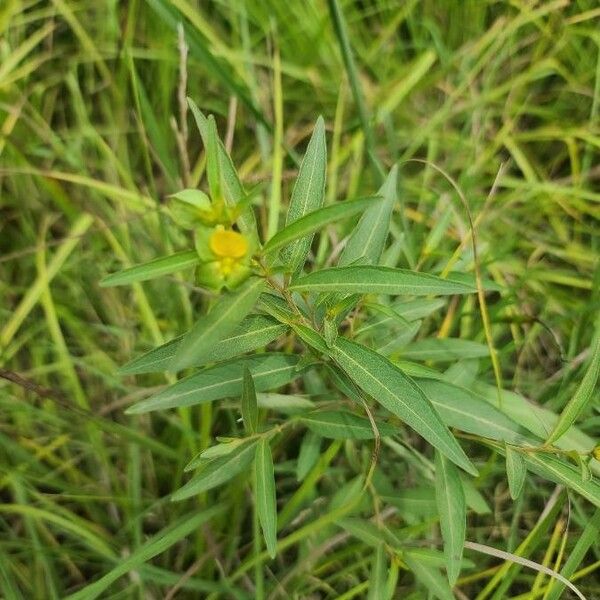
(515, 471)
(216, 472)
(582, 396)
(428, 576)
(150, 270)
(153, 547)
(343, 425)
(308, 193)
(269, 371)
(368, 279)
(198, 344)
(399, 394)
(444, 349)
(316, 220)
(367, 241)
(266, 503)
(310, 449)
(377, 579)
(452, 508)
(249, 403)
(255, 331)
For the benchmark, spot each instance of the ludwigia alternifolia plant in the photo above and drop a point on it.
(317, 355)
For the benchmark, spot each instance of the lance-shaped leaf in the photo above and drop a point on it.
(367, 241)
(216, 472)
(255, 331)
(452, 508)
(428, 576)
(269, 371)
(249, 403)
(155, 268)
(266, 504)
(378, 574)
(310, 449)
(308, 193)
(399, 394)
(583, 394)
(318, 219)
(344, 425)
(370, 279)
(232, 189)
(198, 344)
(515, 471)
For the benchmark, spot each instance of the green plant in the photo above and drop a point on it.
(338, 342)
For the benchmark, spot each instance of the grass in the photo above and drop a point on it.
(94, 135)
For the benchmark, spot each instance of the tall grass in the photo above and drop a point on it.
(503, 96)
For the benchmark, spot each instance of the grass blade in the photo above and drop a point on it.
(153, 547)
(165, 265)
(369, 279)
(399, 394)
(266, 504)
(198, 344)
(308, 193)
(452, 508)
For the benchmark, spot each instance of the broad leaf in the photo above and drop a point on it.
(156, 545)
(269, 371)
(249, 403)
(368, 279)
(217, 471)
(452, 508)
(308, 193)
(582, 396)
(399, 394)
(316, 220)
(255, 331)
(198, 344)
(343, 425)
(265, 495)
(155, 268)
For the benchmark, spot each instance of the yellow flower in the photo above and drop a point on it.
(228, 244)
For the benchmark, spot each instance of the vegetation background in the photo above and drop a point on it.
(94, 134)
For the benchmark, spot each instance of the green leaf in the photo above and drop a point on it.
(308, 193)
(515, 471)
(377, 579)
(452, 508)
(217, 471)
(155, 268)
(316, 220)
(444, 349)
(233, 192)
(310, 449)
(582, 396)
(399, 394)
(469, 412)
(266, 503)
(343, 425)
(368, 279)
(198, 344)
(367, 241)
(428, 576)
(156, 545)
(269, 371)
(213, 164)
(255, 331)
(249, 403)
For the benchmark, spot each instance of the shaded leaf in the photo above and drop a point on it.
(444, 349)
(310, 449)
(249, 403)
(265, 495)
(342, 425)
(428, 576)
